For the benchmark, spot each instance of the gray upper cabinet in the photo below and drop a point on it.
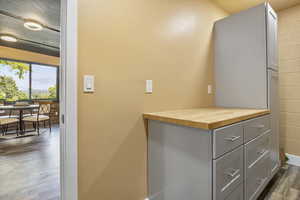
(240, 59)
(245, 46)
(272, 39)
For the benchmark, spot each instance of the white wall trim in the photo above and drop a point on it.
(293, 159)
(68, 101)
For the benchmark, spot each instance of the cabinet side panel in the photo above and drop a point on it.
(240, 59)
(179, 162)
(274, 107)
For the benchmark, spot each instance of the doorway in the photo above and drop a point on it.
(36, 161)
(41, 162)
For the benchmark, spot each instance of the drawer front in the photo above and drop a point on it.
(227, 138)
(257, 177)
(237, 194)
(255, 127)
(257, 148)
(228, 173)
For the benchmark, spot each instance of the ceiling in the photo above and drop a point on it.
(46, 12)
(233, 6)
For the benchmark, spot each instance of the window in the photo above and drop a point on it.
(43, 82)
(14, 80)
(27, 81)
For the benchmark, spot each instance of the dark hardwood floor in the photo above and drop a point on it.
(29, 167)
(284, 186)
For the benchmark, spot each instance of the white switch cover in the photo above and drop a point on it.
(209, 89)
(149, 86)
(88, 83)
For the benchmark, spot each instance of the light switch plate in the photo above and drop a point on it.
(88, 83)
(149, 86)
(209, 89)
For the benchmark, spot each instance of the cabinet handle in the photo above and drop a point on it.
(261, 126)
(261, 152)
(233, 172)
(233, 138)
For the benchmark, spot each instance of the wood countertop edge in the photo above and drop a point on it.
(202, 125)
(182, 122)
(236, 120)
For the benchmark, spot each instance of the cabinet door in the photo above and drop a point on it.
(274, 107)
(179, 162)
(272, 39)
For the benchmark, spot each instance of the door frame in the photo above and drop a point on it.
(68, 101)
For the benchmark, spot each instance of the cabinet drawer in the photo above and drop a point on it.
(255, 127)
(227, 138)
(228, 172)
(237, 194)
(257, 177)
(257, 148)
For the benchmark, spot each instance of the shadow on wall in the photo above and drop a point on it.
(128, 171)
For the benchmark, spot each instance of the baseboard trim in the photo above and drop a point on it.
(293, 159)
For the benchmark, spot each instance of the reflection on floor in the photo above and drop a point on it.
(29, 167)
(284, 186)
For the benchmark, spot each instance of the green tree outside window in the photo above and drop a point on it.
(8, 87)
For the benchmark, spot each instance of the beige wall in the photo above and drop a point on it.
(234, 6)
(289, 69)
(123, 43)
(11, 53)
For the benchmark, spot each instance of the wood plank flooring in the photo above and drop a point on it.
(29, 167)
(29, 170)
(284, 186)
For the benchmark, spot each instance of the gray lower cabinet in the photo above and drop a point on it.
(228, 163)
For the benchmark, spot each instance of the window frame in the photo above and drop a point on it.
(30, 79)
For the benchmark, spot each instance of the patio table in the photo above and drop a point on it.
(21, 110)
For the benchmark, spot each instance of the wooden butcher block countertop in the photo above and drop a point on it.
(206, 118)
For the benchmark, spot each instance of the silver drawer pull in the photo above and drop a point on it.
(233, 138)
(261, 152)
(233, 172)
(261, 126)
